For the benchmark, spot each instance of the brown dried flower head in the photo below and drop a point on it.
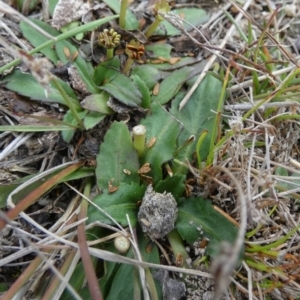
(135, 50)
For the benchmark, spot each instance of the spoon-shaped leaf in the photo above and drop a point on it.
(164, 128)
(116, 155)
(197, 214)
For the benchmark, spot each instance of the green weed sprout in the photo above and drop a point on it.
(139, 139)
(109, 39)
(135, 50)
(160, 6)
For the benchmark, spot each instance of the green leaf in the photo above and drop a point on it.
(52, 4)
(183, 62)
(67, 135)
(106, 70)
(165, 128)
(150, 75)
(146, 98)
(169, 86)
(194, 16)
(287, 183)
(83, 28)
(174, 185)
(28, 6)
(198, 214)
(33, 128)
(124, 289)
(110, 269)
(197, 115)
(160, 50)
(116, 154)
(85, 69)
(282, 172)
(77, 280)
(37, 39)
(131, 20)
(118, 204)
(3, 287)
(6, 189)
(97, 102)
(123, 88)
(26, 85)
(124, 282)
(151, 257)
(92, 119)
(148, 256)
(79, 174)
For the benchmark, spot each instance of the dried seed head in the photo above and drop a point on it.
(135, 50)
(39, 67)
(109, 39)
(236, 125)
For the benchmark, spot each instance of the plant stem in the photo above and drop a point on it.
(122, 20)
(198, 146)
(68, 101)
(139, 139)
(127, 65)
(178, 247)
(149, 31)
(151, 285)
(109, 53)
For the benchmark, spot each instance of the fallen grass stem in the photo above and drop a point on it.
(88, 264)
(23, 278)
(34, 195)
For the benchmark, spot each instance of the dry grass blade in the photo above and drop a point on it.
(213, 58)
(34, 195)
(34, 265)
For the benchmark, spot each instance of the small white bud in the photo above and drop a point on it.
(122, 244)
